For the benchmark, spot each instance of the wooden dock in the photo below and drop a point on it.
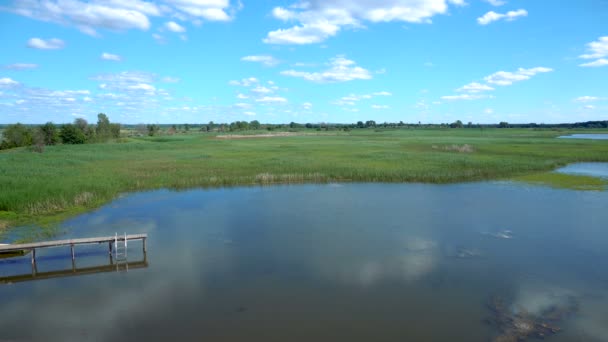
(72, 243)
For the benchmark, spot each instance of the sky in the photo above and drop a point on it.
(337, 61)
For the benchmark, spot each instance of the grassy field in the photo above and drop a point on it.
(68, 179)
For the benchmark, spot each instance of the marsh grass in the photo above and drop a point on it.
(67, 179)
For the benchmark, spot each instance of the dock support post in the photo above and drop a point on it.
(144, 244)
(72, 248)
(33, 256)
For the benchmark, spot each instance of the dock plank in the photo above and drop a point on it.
(58, 243)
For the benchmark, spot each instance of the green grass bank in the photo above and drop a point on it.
(64, 180)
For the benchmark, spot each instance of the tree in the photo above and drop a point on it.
(16, 135)
(456, 124)
(503, 124)
(186, 127)
(255, 124)
(370, 123)
(50, 136)
(72, 134)
(360, 124)
(115, 130)
(103, 129)
(153, 130)
(81, 124)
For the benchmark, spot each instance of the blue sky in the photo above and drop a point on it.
(195, 61)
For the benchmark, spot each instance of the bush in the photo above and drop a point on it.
(71, 134)
(16, 135)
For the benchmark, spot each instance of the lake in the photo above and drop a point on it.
(336, 262)
(585, 136)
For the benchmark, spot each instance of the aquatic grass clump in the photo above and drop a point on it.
(565, 181)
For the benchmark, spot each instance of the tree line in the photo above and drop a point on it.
(78, 132)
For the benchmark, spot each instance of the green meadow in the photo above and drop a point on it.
(41, 188)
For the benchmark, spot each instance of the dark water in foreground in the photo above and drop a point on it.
(354, 262)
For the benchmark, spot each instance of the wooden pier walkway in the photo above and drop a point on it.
(72, 243)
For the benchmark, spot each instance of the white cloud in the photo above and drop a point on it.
(249, 113)
(375, 106)
(589, 107)
(21, 66)
(174, 27)
(587, 98)
(272, 99)
(212, 10)
(7, 82)
(143, 86)
(597, 63)
(88, 16)
(321, 19)
(496, 2)
(169, 79)
(307, 106)
(504, 78)
(341, 70)
(465, 97)
(597, 49)
(245, 82)
(493, 16)
(242, 96)
(242, 105)
(50, 44)
(262, 90)
(475, 87)
(110, 57)
(266, 60)
(119, 15)
(352, 99)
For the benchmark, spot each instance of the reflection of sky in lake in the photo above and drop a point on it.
(585, 136)
(325, 262)
(586, 169)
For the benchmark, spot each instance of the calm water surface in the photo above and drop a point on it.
(354, 262)
(586, 169)
(585, 136)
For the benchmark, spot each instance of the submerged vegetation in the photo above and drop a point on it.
(67, 179)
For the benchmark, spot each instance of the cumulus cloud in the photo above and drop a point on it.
(110, 57)
(50, 44)
(465, 97)
(118, 15)
(174, 27)
(352, 99)
(597, 63)
(340, 70)
(496, 2)
(375, 106)
(245, 82)
(504, 78)
(320, 19)
(596, 50)
(8, 82)
(265, 60)
(587, 99)
(272, 99)
(169, 79)
(475, 87)
(21, 66)
(493, 16)
(212, 10)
